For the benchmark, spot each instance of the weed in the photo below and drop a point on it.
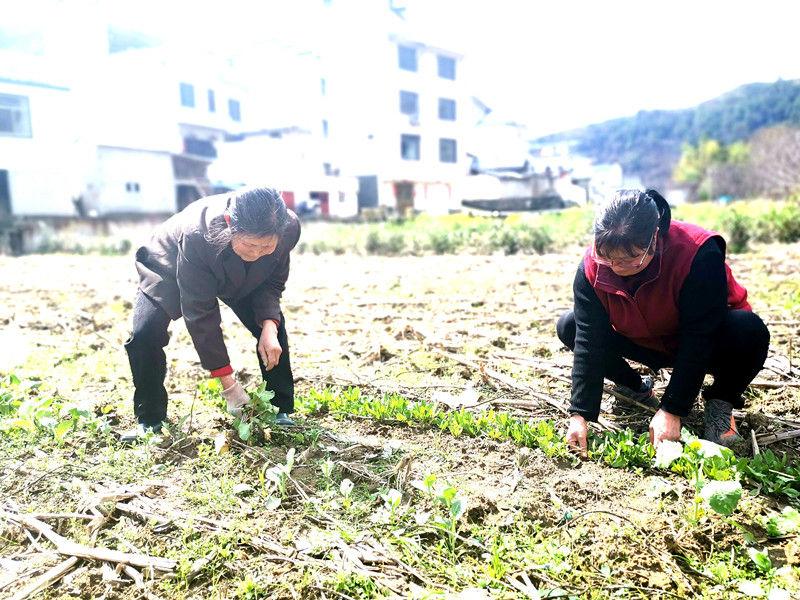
(249, 589)
(257, 415)
(454, 508)
(353, 585)
(274, 479)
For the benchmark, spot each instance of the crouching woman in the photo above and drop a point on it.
(232, 247)
(659, 292)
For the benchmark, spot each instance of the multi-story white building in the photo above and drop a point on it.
(44, 156)
(144, 124)
(158, 120)
(395, 107)
(132, 132)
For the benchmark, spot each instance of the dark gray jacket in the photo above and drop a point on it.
(181, 271)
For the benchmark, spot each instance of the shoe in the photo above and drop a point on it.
(720, 425)
(139, 432)
(283, 420)
(644, 395)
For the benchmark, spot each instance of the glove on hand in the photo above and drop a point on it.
(236, 398)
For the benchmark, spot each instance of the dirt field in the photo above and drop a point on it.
(425, 327)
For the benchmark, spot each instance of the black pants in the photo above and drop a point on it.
(738, 354)
(148, 361)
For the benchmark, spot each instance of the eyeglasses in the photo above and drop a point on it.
(634, 262)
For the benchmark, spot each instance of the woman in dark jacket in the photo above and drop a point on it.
(659, 292)
(233, 247)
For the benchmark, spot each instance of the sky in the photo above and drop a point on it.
(553, 65)
(565, 63)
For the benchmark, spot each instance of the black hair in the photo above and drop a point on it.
(628, 220)
(259, 212)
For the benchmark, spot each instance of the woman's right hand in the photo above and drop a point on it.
(235, 397)
(576, 435)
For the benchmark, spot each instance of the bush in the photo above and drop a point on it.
(536, 239)
(441, 242)
(391, 246)
(521, 238)
(786, 223)
(319, 247)
(738, 227)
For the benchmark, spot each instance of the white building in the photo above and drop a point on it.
(158, 120)
(396, 106)
(44, 157)
(380, 102)
(291, 151)
(292, 161)
(133, 132)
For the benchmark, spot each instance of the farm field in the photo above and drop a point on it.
(427, 461)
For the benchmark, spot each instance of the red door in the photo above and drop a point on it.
(324, 204)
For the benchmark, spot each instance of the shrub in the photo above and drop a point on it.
(442, 242)
(738, 227)
(786, 222)
(390, 246)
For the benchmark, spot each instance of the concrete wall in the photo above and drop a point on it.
(47, 169)
(131, 181)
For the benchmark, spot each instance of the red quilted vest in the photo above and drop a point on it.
(650, 317)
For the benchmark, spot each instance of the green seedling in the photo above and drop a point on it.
(773, 475)
(275, 478)
(327, 472)
(345, 489)
(392, 499)
(257, 416)
(785, 523)
(454, 508)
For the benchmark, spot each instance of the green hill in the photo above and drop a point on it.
(648, 144)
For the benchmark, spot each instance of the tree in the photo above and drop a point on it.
(774, 163)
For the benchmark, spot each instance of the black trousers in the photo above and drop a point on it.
(738, 354)
(148, 361)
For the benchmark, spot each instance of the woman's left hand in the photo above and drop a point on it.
(269, 349)
(664, 426)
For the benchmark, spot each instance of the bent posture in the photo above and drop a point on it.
(659, 292)
(232, 247)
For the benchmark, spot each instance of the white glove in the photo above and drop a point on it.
(236, 398)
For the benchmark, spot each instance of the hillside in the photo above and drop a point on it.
(648, 144)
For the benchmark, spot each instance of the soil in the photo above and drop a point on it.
(382, 324)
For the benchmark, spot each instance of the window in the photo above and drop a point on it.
(447, 67)
(234, 110)
(323, 86)
(15, 116)
(212, 102)
(187, 95)
(409, 103)
(447, 151)
(447, 109)
(132, 186)
(407, 57)
(324, 127)
(409, 147)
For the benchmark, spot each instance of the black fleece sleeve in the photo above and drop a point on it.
(592, 330)
(702, 303)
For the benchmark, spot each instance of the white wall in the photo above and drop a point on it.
(363, 100)
(137, 102)
(116, 167)
(47, 169)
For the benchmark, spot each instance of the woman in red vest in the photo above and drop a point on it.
(659, 292)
